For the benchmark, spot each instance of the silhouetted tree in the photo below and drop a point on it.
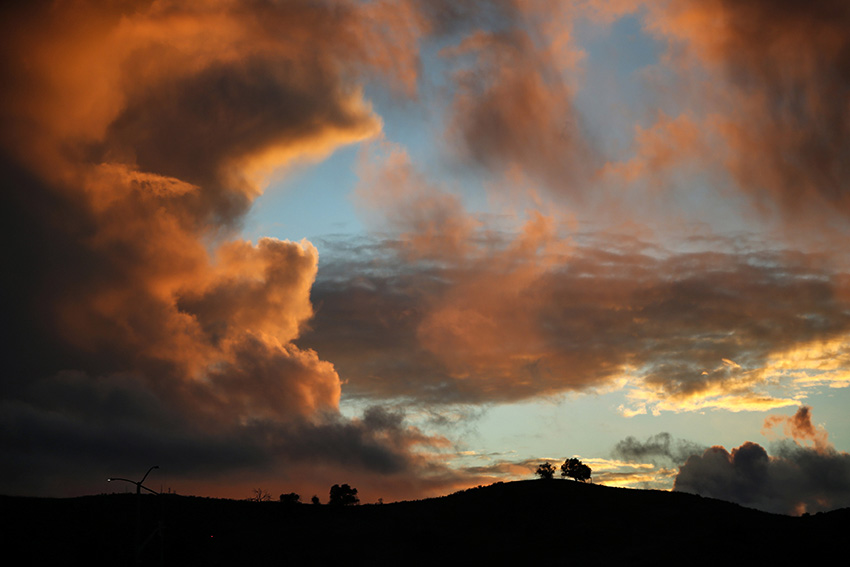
(291, 498)
(545, 471)
(261, 495)
(315, 499)
(343, 495)
(575, 469)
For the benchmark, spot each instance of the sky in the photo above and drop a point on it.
(416, 246)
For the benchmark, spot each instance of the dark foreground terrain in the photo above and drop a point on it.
(541, 522)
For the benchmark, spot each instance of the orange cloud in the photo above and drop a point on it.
(668, 143)
(782, 74)
(800, 428)
(136, 136)
(479, 314)
(145, 124)
(513, 105)
(431, 222)
(767, 82)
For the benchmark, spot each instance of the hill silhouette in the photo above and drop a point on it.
(549, 521)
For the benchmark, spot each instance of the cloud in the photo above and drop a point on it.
(660, 447)
(138, 134)
(84, 429)
(430, 220)
(650, 464)
(513, 315)
(512, 110)
(776, 90)
(800, 428)
(759, 92)
(139, 328)
(668, 143)
(796, 480)
(445, 305)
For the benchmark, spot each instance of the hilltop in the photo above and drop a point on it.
(548, 521)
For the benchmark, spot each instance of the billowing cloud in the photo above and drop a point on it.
(795, 480)
(136, 136)
(138, 324)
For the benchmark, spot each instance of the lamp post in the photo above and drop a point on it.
(139, 487)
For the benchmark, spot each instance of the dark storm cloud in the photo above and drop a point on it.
(83, 430)
(138, 134)
(381, 441)
(79, 430)
(795, 480)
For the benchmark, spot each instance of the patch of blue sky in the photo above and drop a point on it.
(315, 200)
(308, 202)
(613, 95)
(829, 409)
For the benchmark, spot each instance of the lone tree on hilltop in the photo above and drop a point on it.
(343, 495)
(575, 469)
(260, 495)
(545, 471)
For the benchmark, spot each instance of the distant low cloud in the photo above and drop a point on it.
(794, 480)
(661, 447)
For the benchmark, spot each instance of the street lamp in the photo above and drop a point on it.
(139, 487)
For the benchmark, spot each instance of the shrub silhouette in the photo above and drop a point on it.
(291, 498)
(575, 469)
(315, 499)
(545, 471)
(343, 495)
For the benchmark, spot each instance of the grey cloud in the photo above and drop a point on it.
(69, 441)
(660, 447)
(796, 480)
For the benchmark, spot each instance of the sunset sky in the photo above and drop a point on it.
(421, 245)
